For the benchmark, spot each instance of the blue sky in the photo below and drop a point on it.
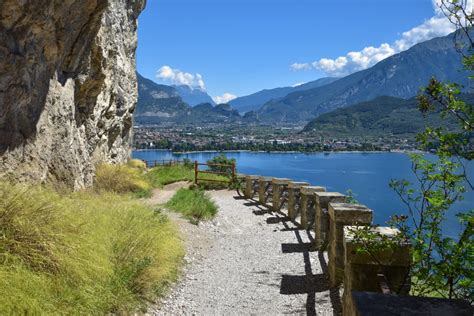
(242, 46)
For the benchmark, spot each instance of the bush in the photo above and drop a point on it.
(221, 159)
(193, 204)
(122, 179)
(81, 253)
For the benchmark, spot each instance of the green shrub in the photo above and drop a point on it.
(81, 253)
(221, 159)
(122, 179)
(193, 204)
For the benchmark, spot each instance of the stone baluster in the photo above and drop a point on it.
(264, 186)
(307, 203)
(340, 215)
(294, 197)
(362, 270)
(250, 184)
(279, 186)
(321, 227)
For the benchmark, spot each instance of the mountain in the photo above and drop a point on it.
(193, 95)
(400, 75)
(254, 101)
(381, 116)
(162, 105)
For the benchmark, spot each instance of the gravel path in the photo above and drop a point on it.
(247, 261)
(163, 195)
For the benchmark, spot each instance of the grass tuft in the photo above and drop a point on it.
(122, 179)
(194, 204)
(82, 253)
(137, 164)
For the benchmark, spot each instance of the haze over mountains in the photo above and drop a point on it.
(400, 76)
(254, 101)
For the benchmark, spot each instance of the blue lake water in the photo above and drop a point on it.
(366, 174)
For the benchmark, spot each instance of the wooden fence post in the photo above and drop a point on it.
(195, 172)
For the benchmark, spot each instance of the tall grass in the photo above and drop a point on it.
(123, 179)
(162, 175)
(81, 253)
(193, 204)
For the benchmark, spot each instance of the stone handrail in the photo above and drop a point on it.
(334, 221)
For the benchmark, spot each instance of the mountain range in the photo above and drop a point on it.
(382, 116)
(400, 75)
(397, 78)
(193, 95)
(256, 100)
(163, 105)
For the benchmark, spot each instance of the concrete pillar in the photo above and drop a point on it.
(307, 198)
(321, 226)
(362, 269)
(293, 195)
(279, 187)
(263, 183)
(249, 186)
(340, 215)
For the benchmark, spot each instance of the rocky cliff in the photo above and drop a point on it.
(67, 87)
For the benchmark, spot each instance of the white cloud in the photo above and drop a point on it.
(226, 97)
(178, 77)
(436, 26)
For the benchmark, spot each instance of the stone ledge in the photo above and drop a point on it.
(312, 189)
(400, 256)
(297, 185)
(374, 304)
(349, 213)
(280, 181)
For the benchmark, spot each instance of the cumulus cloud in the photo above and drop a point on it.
(178, 77)
(354, 61)
(225, 98)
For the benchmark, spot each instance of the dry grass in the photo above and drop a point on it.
(81, 253)
(122, 179)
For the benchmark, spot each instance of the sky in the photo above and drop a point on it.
(237, 47)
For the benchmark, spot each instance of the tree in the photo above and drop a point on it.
(442, 265)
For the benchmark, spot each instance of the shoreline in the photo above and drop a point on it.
(288, 152)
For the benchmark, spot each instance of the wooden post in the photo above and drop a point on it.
(195, 172)
(233, 170)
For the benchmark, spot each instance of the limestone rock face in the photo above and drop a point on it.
(67, 87)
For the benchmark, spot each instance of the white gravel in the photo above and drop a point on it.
(247, 261)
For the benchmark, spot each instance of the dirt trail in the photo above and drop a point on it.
(247, 261)
(163, 195)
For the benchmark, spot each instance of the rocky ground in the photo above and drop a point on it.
(248, 261)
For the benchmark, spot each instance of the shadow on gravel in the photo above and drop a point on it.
(309, 283)
(277, 219)
(303, 284)
(292, 248)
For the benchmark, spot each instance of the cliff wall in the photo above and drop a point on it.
(67, 87)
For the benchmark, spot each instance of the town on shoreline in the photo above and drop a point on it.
(263, 139)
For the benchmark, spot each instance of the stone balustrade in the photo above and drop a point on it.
(308, 204)
(279, 193)
(321, 227)
(340, 215)
(334, 221)
(251, 186)
(364, 271)
(264, 190)
(294, 198)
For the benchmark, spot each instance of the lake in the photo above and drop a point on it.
(366, 174)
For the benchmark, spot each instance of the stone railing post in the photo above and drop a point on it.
(250, 182)
(363, 271)
(307, 203)
(294, 197)
(264, 184)
(321, 227)
(340, 215)
(279, 186)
